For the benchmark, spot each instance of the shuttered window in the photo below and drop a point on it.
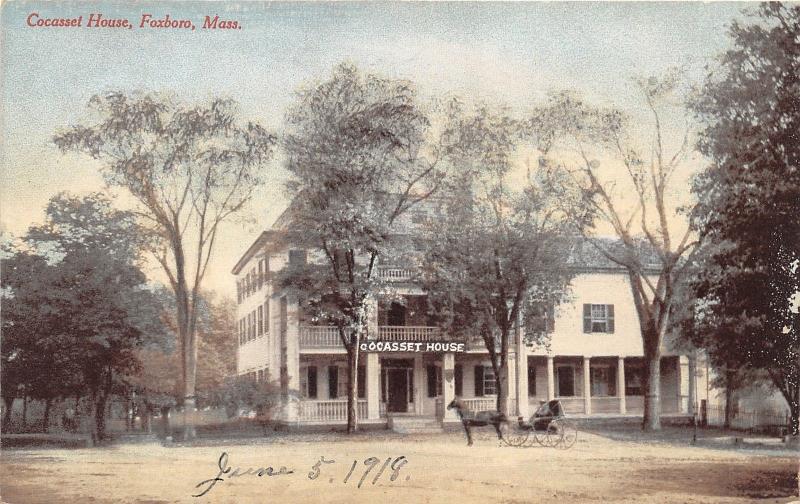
(312, 382)
(333, 382)
(598, 318)
(362, 382)
(478, 381)
(532, 381)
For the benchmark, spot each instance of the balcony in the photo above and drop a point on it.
(391, 274)
(409, 333)
(320, 337)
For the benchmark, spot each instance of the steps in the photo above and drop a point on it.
(414, 424)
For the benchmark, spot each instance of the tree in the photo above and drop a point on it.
(31, 337)
(749, 194)
(496, 256)
(217, 342)
(579, 140)
(359, 159)
(190, 168)
(92, 299)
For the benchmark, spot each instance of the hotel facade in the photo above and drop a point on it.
(411, 368)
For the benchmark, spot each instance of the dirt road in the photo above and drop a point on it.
(438, 468)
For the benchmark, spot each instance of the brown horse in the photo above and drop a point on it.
(477, 419)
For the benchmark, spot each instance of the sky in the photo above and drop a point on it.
(499, 53)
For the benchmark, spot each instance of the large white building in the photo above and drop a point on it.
(593, 365)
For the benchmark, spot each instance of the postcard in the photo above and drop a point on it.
(432, 252)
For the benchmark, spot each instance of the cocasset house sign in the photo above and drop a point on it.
(413, 346)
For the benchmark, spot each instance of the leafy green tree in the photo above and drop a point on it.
(593, 149)
(748, 289)
(190, 168)
(95, 294)
(497, 253)
(32, 340)
(359, 157)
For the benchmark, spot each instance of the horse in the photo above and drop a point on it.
(477, 419)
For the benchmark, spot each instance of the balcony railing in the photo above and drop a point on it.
(333, 410)
(395, 274)
(319, 337)
(409, 333)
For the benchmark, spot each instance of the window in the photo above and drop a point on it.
(308, 382)
(489, 381)
(485, 382)
(362, 382)
(396, 316)
(458, 371)
(260, 320)
(565, 381)
(531, 381)
(333, 382)
(419, 217)
(633, 381)
(598, 318)
(542, 318)
(297, 258)
(239, 291)
(434, 381)
(266, 317)
(260, 273)
(261, 375)
(602, 381)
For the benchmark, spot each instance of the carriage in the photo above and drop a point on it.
(547, 427)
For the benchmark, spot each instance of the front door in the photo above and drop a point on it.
(397, 390)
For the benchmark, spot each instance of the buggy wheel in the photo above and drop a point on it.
(554, 435)
(570, 435)
(513, 434)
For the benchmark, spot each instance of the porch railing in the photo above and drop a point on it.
(409, 333)
(391, 274)
(319, 337)
(333, 410)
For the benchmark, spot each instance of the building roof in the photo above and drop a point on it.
(265, 238)
(587, 255)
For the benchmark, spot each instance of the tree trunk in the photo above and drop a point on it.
(9, 404)
(46, 420)
(502, 391)
(729, 389)
(100, 416)
(165, 421)
(651, 420)
(794, 422)
(352, 388)
(25, 412)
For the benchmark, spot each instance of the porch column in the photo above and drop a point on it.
(621, 384)
(448, 386)
(587, 387)
(551, 382)
(373, 386)
(522, 380)
(692, 384)
(419, 381)
(292, 357)
(682, 369)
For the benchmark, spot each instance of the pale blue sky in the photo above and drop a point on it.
(499, 52)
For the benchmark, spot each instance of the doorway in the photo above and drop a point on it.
(397, 390)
